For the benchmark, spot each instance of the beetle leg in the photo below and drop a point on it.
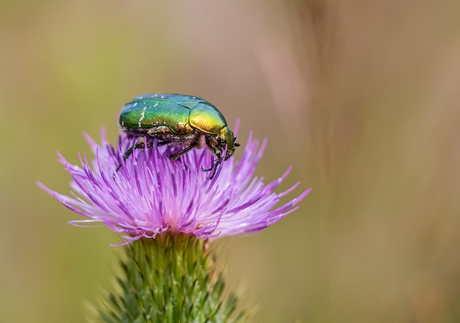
(176, 155)
(210, 168)
(212, 143)
(162, 143)
(129, 151)
(213, 168)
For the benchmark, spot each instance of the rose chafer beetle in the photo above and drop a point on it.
(188, 121)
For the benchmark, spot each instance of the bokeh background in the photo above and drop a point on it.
(360, 97)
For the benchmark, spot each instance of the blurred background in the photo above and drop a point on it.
(360, 97)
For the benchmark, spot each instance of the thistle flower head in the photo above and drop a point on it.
(151, 194)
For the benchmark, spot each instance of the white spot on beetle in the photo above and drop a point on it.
(162, 96)
(155, 104)
(135, 104)
(142, 117)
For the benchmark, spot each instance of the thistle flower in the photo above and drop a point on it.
(151, 194)
(173, 278)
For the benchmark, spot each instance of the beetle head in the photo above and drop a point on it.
(226, 137)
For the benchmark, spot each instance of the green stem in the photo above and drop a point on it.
(170, 279)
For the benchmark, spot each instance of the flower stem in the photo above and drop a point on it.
(171, 278)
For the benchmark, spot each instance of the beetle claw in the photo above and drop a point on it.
(208, 169)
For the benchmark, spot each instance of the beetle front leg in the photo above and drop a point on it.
(214, 166)
(212, 144)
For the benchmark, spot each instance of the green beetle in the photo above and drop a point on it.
(188, 121)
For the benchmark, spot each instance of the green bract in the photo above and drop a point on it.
(178, 119)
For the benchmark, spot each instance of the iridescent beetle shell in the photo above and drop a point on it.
(181, 120)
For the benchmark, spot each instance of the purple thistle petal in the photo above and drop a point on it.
(151, 194)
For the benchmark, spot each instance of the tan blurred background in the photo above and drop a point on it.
(361, 97)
